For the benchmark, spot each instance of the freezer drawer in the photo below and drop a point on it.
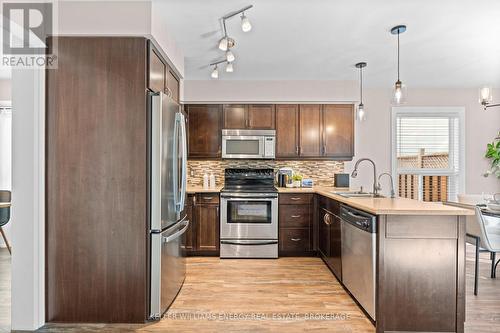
(168, 267)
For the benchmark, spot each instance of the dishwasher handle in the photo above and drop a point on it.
(359, 219)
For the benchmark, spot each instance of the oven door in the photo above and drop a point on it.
(239, 146)
(249, 218)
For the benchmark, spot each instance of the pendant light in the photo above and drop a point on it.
(361, 113)
(399, 94)
(229, 67)
(486, 97)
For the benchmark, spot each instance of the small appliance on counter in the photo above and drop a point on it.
(307, 182)
(341, 180)
(284, 176)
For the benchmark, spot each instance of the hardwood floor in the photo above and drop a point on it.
(215, 287)
(4, 290)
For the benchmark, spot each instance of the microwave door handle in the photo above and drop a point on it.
(184, 161)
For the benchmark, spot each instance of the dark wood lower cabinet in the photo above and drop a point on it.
(329, 235)
(421, 268)
(207, 223)
(295, 225)
(202, 237)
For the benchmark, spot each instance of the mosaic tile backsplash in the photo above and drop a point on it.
(321, 172)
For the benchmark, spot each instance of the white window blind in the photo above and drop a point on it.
(427, 152)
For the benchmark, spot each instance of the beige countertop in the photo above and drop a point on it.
(4, 204)
(377, 206)
(200, 189)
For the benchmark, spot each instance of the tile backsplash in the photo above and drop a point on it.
(320, 171)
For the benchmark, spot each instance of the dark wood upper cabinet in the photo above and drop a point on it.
(204, 123)
(260, 116)
(310, 130)
(157, 70)
(287, 130)
(253, 116)
(235, 116)
(173, 84)
(338, 130)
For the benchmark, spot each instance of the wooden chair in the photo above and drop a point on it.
(5, 196)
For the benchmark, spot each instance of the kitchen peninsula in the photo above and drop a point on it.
(419, 250)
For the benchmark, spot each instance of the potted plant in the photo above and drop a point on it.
(493, 153)
(297, 180)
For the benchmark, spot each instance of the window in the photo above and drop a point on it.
(428, 152)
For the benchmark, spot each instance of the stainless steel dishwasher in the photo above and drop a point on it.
(359, 241)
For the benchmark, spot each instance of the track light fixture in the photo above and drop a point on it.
(399, 88)
(226, 43)
(215, 71)
(361, 113)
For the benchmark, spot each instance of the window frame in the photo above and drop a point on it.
(429, 112)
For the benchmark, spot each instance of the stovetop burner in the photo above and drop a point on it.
(249, 180)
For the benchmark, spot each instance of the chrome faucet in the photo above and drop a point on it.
(393, 193)
(354, 174)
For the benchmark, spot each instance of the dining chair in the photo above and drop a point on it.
(489, 229)
(5, 196)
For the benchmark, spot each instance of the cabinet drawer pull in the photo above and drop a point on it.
(296, 239)
(295, 216)
(207, 198)
(294, 198)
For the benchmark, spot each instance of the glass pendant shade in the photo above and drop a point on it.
(229, 56)
(399, 93)
(361, 113)
(215, 73)
(223, 44)
(229, 67)
(485, 95)
(245, 24)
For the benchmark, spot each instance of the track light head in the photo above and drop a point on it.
(246, 26)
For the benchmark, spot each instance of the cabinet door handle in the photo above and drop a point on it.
(294, 198)
(297, 150)
(295, 216)
(326, 219)
(296, 239)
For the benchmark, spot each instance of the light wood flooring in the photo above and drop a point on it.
(216, 287)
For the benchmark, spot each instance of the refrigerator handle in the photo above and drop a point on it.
(156, 149)
(175, 165)
(184, 161)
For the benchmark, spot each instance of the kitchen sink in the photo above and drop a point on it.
(357, 194)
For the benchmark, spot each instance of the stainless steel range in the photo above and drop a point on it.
(249, 214)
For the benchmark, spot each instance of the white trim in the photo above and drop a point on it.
(28, 199)
(430, 111)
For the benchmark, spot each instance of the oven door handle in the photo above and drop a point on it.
(249, 199)
(249, 242)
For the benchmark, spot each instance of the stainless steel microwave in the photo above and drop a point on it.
(248, 144)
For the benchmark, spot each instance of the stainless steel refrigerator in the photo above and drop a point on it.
(168, 196)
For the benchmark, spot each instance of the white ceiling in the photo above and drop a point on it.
(449, 43)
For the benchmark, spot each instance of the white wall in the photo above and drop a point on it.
(126, 18)
(121, 18)
(5, 148)
(373, 137)
(5, 90)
